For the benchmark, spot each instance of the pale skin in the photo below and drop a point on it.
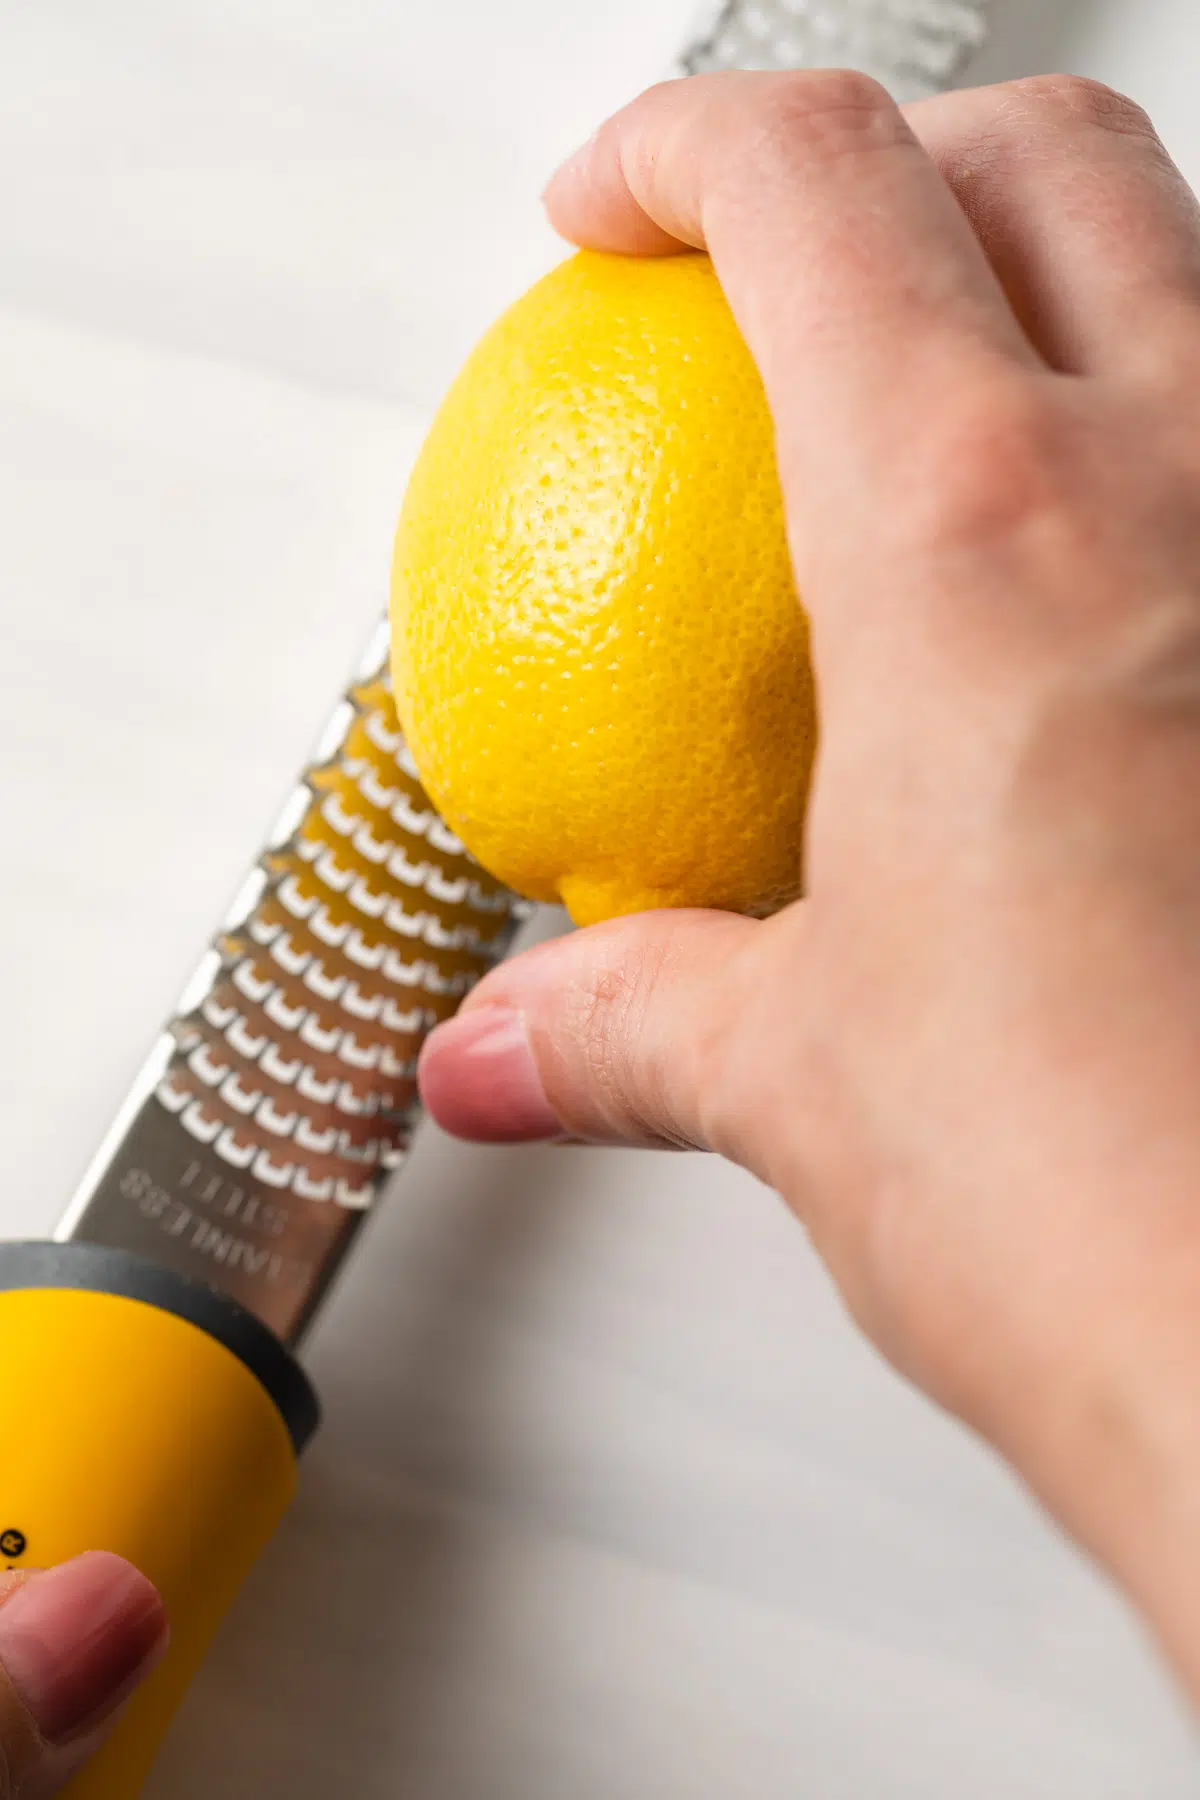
(75, 1642)
(969, 1059)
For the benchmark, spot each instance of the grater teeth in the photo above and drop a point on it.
(282, 1095)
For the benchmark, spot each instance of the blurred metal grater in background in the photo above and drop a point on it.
(914, 47)
(281, 1096)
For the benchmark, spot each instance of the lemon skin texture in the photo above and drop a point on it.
(599, 658)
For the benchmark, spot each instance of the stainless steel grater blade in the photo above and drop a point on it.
(281, 1095)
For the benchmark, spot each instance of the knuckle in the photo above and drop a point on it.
(629, 1074)
(1093, 102)
(1010, 508)
(603, 1006)
(996, 466)
(602, 1023)
(826, 112)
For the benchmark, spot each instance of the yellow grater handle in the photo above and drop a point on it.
(147, 1415)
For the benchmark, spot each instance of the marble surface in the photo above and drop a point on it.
(610, 1502)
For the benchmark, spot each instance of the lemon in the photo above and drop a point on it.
(599, 658)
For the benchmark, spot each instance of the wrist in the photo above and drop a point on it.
(1103, 1425)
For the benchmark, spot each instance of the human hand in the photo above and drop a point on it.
(970, 1058)
(74, 1643)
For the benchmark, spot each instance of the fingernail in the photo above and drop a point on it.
(479, 1080)
(76, 1640)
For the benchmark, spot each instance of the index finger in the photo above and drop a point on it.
(852, 271)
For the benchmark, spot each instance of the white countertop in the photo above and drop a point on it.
(610, 1502)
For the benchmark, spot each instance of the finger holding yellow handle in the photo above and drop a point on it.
(76, 1641)
(145, 1414)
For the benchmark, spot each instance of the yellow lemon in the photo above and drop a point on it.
(600, 662)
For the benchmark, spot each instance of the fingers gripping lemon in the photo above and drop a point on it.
(600, 662)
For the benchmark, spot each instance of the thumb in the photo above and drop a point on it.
(74, 1643)
(615, 1034)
